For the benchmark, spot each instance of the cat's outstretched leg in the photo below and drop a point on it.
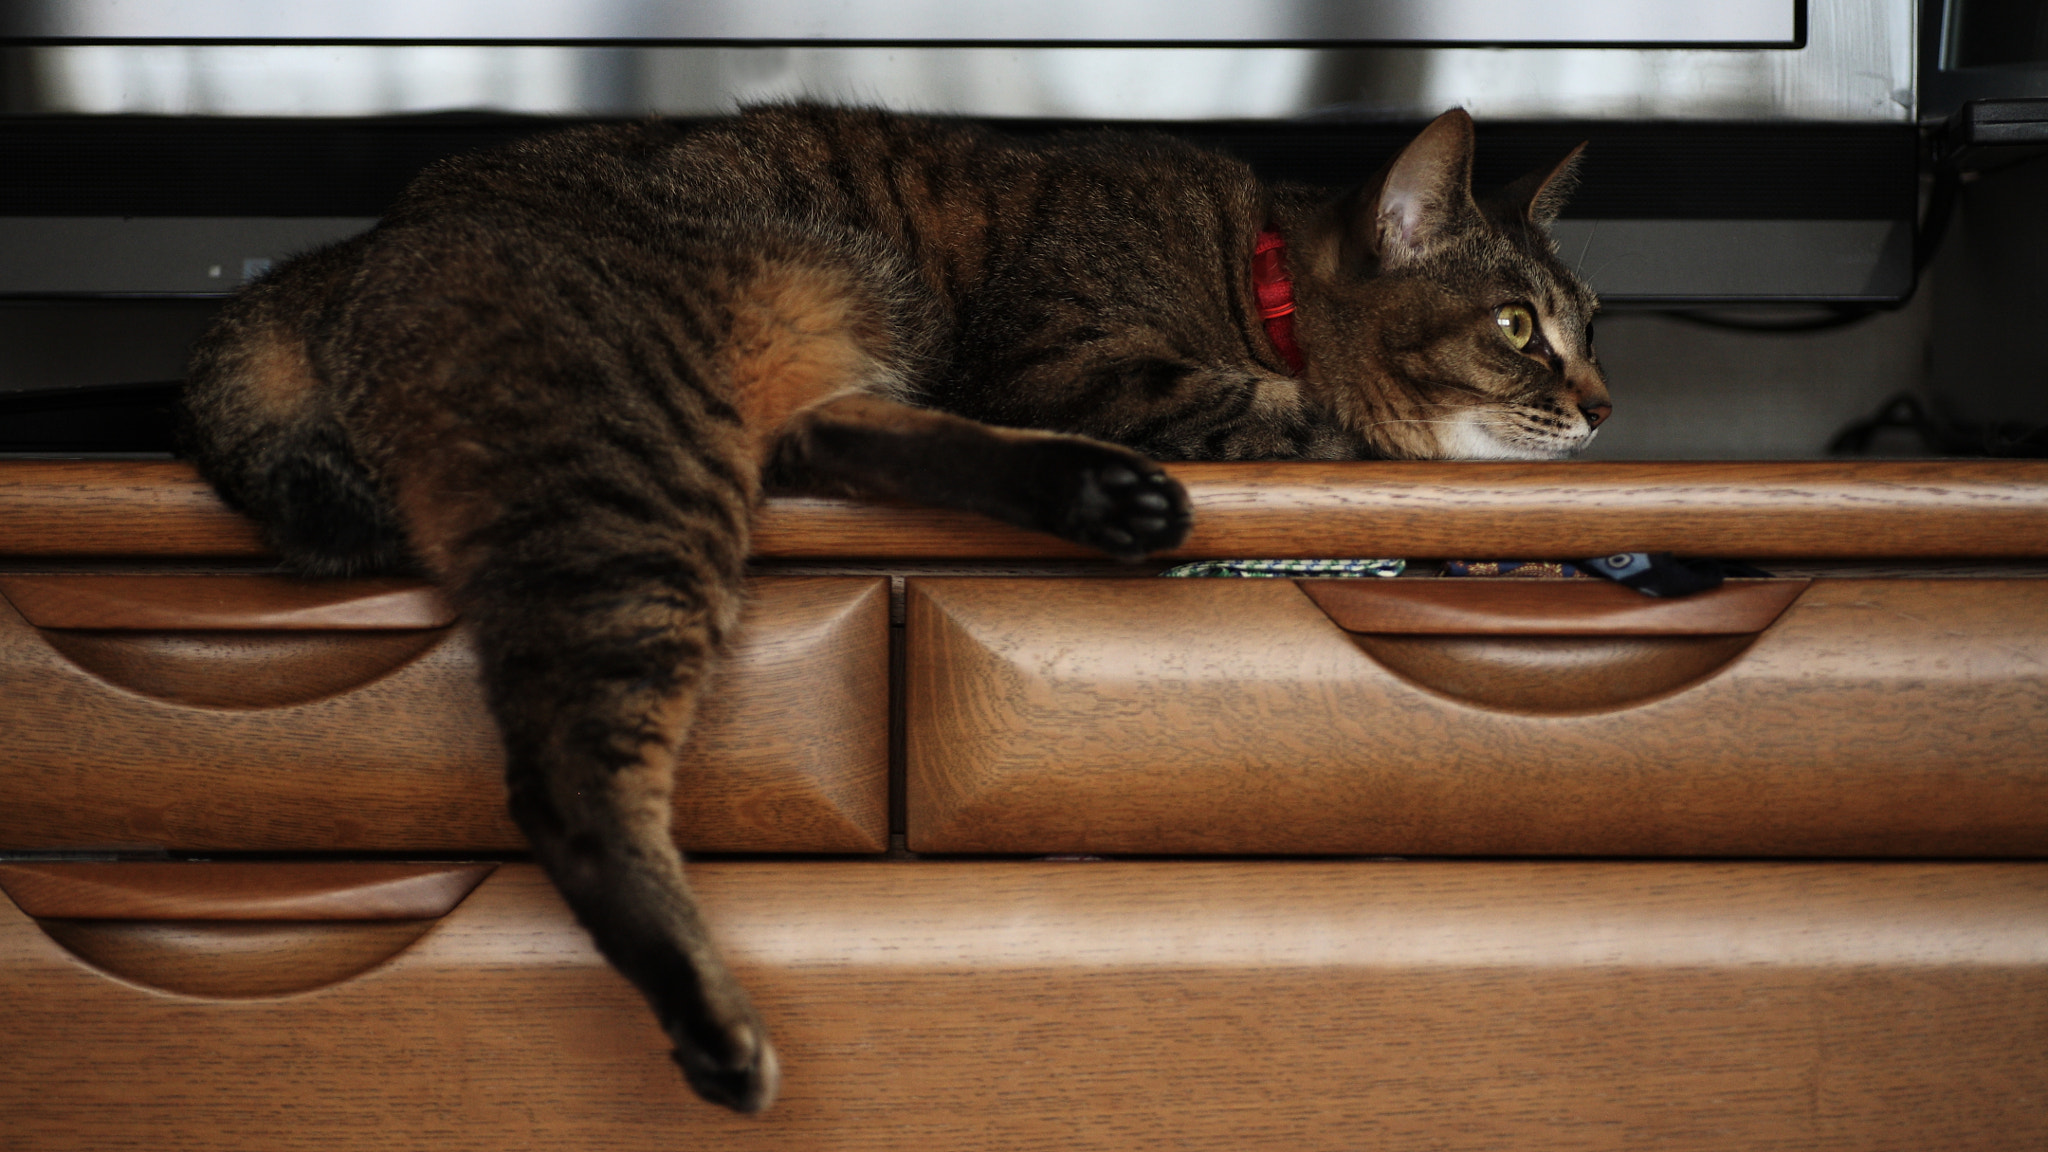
(1079, 489)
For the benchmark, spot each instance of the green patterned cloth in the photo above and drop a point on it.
(1271, 568)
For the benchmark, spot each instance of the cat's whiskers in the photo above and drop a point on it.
(1379, 423)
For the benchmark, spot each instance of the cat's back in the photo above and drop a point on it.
(783, 162)
(947, 194)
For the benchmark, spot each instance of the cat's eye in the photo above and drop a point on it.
(1516, 322)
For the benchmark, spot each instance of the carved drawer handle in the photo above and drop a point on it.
(232, 641)
(236, 930)
(1511, 607)
(242, 670)
(224, 603)
(211, 890)
(1550, 647)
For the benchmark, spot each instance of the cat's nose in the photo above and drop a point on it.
(1595, 413)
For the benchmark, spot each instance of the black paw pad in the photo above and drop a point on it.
(1119, 502)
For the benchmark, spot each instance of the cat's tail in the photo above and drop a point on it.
(261, 426)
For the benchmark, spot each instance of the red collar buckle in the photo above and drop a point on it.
(1275, 292)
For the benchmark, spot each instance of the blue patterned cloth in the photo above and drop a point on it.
(1651, 573)
(1289, 568)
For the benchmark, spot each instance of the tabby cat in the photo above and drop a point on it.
(559, 374)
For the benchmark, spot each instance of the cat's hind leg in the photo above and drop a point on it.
(1076, 488)
(260, 422)
(598, 615)
(596, 544)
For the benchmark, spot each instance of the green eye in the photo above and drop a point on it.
(1516, 322)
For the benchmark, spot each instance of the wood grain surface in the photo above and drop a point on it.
(1556, 510)
(238, 890)
(790, 753)
(1874, 718)
(143, 602)
(1523, 607)
(117, 509)
(1121, 1007)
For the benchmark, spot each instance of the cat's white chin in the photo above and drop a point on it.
(1467, 437)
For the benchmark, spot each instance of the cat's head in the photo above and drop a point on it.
(1440, 326)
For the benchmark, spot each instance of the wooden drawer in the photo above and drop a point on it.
(268, 714)
(1114, 1006)
(1443, 717)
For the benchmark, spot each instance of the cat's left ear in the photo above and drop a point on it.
(1425, 195)
(1420, 199)
(1540, 195)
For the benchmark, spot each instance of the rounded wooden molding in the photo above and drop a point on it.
(1808, 509)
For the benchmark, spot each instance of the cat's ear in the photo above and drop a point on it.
(1540, 195)
(1424, 196)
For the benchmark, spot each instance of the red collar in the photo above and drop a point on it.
(1276, 296)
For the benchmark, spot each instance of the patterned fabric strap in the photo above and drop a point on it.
(1275, 568)
(1651, 573)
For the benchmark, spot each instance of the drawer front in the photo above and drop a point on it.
(260, 713)
(1114, 1006)
(1854, 717)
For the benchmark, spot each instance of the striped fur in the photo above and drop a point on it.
(559, 374)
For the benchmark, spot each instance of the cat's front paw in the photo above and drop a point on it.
(1119, 501)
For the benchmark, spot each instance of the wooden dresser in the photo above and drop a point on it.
(1023, 850)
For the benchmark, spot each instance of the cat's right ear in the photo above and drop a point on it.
(1422, 197)
(1540, 195)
